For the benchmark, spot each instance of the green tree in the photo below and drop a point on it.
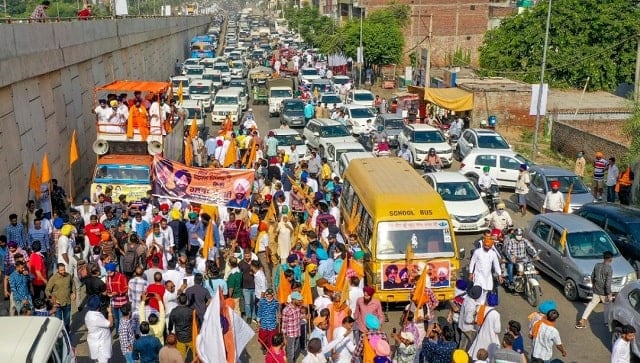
(587, 38)
(631, 129)
(310, 24)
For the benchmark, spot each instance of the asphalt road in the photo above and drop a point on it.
(587, 345)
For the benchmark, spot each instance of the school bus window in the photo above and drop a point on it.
(429, 239)
(365, 228)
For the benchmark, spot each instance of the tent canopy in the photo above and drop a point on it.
(453, 99)
(142, 86)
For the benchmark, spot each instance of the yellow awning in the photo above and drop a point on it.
(453, 99)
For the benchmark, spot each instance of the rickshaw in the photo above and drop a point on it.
(405, 102)
(389, 76)
(260, 93)
(259, 75)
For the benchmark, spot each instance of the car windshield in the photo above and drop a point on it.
(195, 71)
(287, 140)
(343, 151)
(634, 231)
(176, 83)
(566, 181)
(330, 99)
(364, 112)
(226, 100)
(341, 80)
(422, 137)
(310, 72)
(215, 78)
(122, 174)
(199, 90)
(281, 93)
(237, 64)
(294, 106)
(457, 191)
(396, 123)
(221, 67)
(429, 239)
(194, 113)
(492, 142)
(236, 83)
(591, 244)
(190, 62)
(363, 96)
(334, 131)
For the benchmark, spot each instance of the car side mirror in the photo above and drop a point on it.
(316, 134)
(461, 254)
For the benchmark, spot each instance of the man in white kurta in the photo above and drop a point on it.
(488, 332)
(98, 331)
(284, 231)
(484, 261)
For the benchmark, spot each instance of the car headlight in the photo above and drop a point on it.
(631, 277)
(484, 214)
(586, 280)
(420, 151)
(447, 151)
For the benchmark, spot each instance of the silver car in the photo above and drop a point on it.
(569, 259)
(541, 178)
(625, 310)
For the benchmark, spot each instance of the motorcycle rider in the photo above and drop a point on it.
(517, 249)
(499, 218)
(485, 181)
(382, 148)
(432, 162)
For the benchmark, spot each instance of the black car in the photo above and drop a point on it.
(622, 223)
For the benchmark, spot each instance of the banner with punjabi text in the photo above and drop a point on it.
(216, 186)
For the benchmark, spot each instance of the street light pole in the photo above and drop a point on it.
(360, 54)
(534, 150)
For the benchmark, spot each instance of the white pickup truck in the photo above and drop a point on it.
(279, 90)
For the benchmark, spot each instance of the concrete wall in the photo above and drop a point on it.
(510, 107)
(48, 73)
(569, 137)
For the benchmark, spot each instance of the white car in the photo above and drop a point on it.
(288, 137)
(193, 72)
(331, 99)
(190, 62)
(419, 138)
(360, 97)
(338, 81)
(504, 165)
(175, 85)
(462, 199)
(308, 74)
(472, 139)
(320, 132)
(335, 151)
(358, 117)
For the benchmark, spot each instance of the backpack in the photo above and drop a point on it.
(130, 260)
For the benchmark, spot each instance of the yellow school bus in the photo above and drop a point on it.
(391, 210)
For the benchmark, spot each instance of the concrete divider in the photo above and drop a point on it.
(47, 75)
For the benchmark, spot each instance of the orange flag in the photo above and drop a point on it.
(271, 212)
(567, 200)
(188, 151)
(342, 284)
(307, 296)
(193, 128)
(194, 333)
(357, 268)
(228, 337)
(232, 153)
(368, 354)
(73, 149)
(45, 174)
(419, 296)
(250, 157)
(208, 241)
(180, 93)
(34, 180)
(284, 288)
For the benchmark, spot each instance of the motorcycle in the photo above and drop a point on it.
(431, 168)
(525, 281)
(491, 196)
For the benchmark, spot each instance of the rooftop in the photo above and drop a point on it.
(572, 100)
(492, 84)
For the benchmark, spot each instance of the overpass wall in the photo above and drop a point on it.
(47, 75)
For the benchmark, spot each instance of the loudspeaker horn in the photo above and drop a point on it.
(154, 147)
(100, 147)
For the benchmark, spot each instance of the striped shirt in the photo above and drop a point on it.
(267, 313)
(137, 286)
(599, 167)
(39, 235)
(16, 234)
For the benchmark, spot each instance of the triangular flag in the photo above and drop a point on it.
(368, 354)
(567, 201)
(228, 337)
(307, 296)
(232, 153)
(251, 156)
(73, 149)
(180, 93)
(193, 128)
(563, 239)
(357, 268)
(208, 241)
(194, 332)
(34, 181)
(271, 212)
(284, 288)
(420, 290)
(341, 280)
(45, 175)
(188, 151)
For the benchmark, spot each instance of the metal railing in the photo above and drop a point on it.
(11, 20)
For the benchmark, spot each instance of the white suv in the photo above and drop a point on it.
(422, 137)
(321, 132)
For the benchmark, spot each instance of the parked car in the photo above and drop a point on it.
(420, 138)
(466, 208)
(505, 165)
(288, 137)
(625, 310)
(480, 139)
(320, 132)
(293, 112)
(622, 223)
(541, 177)
(569, 248)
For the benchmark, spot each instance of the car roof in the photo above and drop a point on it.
(329, 94)
(18, 340)
(347, 145)
(361, 91)
(623, 212)
(284, 132)
(421, 127)
(449, 177)
(352, 106)
(480, 151)
(326, 122)
(351, 155)
(484, 132)
(571, 222)
(342, 77)
(551, 170)
(293, 100)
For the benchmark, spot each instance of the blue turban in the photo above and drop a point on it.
(372, 322)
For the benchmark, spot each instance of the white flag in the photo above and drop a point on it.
(243, 333)
(210, 343)
(535, 93)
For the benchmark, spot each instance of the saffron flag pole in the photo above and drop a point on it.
(34, 182)
(73, 158)
(45, 177)
(567, 200)
(208, 241)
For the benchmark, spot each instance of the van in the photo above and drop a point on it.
(35, 339)
(202, 90)
(227, 103)
(346, 158)
(244, 97)
(193, 109)
(387, 205)
(214, 76)
(569, 248)
(176, 81)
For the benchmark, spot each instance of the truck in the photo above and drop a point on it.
(279, 89)
(125, 159)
